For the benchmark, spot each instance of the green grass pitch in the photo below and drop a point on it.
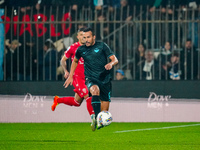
(78, 136)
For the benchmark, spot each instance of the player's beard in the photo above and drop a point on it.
(90, 43)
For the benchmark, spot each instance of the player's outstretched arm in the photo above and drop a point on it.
(72, 70)
(64, 66)
(113, 62)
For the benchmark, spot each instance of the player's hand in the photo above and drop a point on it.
(108, 66)
(68, 81)
(66, 75)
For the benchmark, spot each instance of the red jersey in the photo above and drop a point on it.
(70, 52)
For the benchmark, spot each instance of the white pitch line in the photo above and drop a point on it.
(182, 126)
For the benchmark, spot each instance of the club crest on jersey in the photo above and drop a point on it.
(96, 50)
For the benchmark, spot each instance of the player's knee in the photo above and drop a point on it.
(94, 90)
(79, 102)
(78, 99)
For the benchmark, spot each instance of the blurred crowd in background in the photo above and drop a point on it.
(153, 39)
(98, 4)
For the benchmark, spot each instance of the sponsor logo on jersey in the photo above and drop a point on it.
(96, 50)
(81, 62)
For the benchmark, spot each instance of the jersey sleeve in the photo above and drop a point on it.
(68, 52)
(107, 50)
(78, 54)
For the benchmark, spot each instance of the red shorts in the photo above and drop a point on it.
(79, 85)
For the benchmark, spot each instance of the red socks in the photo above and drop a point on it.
(89, 105)
(72, 102)
(68, 101)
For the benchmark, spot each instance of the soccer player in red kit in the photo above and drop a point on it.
(81, 91)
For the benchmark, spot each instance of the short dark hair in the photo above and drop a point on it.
(81, 29)
(188, 40)
(89, 29)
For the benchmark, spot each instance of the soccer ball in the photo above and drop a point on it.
(104, 118)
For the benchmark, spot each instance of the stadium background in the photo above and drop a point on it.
(141, 101)
(123, 37)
